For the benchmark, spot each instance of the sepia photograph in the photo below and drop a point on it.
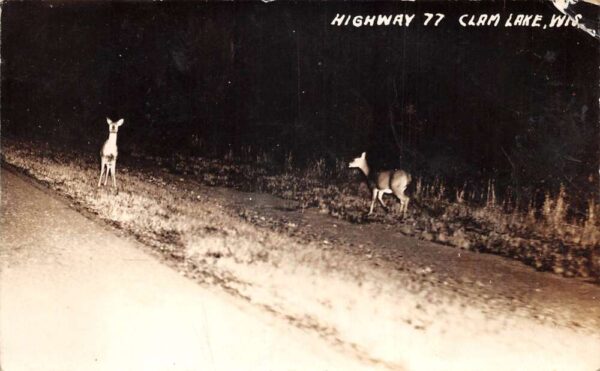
(299, 185)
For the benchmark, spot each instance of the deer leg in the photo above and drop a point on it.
(405, 204)
(106, 173)
(380, 198)
(404, 199)
(110, 173)
(114, 168)
(373, 202)
(399, 193)
(101, 173)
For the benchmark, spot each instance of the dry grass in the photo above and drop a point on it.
(544, 238)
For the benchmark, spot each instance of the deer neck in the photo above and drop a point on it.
(365, 169)
(110, 146)
(112, 139)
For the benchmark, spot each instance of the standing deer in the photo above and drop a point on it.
(108, 153)
(384, 182)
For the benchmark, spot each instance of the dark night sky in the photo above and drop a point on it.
(203, 78)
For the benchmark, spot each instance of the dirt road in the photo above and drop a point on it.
(75, 296)
(484, 278)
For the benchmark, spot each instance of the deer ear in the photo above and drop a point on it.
(108, 121)
(120, 122)
(364, 155)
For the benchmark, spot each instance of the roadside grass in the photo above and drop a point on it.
(545, 239)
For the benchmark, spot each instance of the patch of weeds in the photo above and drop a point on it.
(546, 239)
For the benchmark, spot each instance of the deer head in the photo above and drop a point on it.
(113, 127)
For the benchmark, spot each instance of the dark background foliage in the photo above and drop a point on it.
(518, 105)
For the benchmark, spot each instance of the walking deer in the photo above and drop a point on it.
(108, 153)
(384, 182)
